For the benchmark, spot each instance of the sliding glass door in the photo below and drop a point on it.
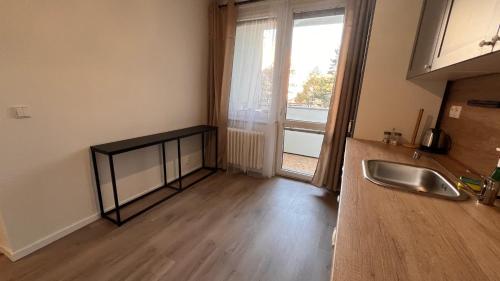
(315, 40)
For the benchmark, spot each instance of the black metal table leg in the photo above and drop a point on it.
(164, 162)
(97, 182)
(179, 162)
(203, 150)
(216, 149)
(115, 193)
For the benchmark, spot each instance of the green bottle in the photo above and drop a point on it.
(496, 173)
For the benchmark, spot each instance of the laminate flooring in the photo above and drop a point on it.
(227, 227)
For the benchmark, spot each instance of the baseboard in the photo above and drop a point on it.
(6, 251)
(31, 248)
(16, 255)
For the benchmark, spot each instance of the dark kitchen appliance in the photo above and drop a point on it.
(435, 141)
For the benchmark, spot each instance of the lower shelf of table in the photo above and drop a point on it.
(153, 198)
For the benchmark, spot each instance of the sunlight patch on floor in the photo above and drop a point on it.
(299, 163)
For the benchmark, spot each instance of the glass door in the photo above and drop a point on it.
(315, 43)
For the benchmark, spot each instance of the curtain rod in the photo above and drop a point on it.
(242, 3)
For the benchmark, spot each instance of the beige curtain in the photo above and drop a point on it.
(358, 18)
(222, 36)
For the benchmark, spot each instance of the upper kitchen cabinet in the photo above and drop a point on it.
(465, 33)
(457, 39)
(495, 28)
(433, 13)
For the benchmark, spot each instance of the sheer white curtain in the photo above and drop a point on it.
(252, 106)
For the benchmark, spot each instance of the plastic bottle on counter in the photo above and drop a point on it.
(495, 175)
(396, 138)
(387, 137)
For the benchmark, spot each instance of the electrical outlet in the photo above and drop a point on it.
(21, 111)
(455, 111)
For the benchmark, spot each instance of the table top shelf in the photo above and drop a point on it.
(141, 142)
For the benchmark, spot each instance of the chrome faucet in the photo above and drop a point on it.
(416, 155)
(489, 191)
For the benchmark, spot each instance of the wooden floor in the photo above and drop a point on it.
(224, 228)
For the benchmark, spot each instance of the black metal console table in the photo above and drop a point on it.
(114, 148)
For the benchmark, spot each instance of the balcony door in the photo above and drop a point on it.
(314, 42)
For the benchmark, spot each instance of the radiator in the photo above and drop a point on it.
(245, 149)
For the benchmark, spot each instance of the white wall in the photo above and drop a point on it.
(387, 99)
(92, 72)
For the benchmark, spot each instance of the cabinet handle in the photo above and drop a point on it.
(489, 43)
(428, 67)
(485, 43)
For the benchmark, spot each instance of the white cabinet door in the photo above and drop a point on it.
(426, 42)
(468, 24)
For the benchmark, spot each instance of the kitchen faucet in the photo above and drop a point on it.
(416, 155)
(489, 191)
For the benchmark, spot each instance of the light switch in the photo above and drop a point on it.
(455, 111)
(22, 111)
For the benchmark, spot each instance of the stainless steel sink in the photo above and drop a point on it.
(410, 178)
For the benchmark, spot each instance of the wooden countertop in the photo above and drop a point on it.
(383, 234)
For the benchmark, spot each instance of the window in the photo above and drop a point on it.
(253, 68)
